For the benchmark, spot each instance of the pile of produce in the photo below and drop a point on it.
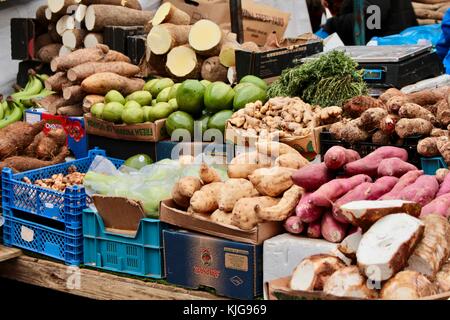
(395, 257)
(67, 25)
(84, 75)
(430, 11)
(59, 182)
(330, 80)
(259, 188)
(283, 117)
(384, 174)
(26, 147)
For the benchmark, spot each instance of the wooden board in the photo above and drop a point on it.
(91, 283)
(8, 253)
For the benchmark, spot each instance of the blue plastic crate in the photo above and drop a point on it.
(430, 165)
(64, 206)
(141, 255)
(57, 244)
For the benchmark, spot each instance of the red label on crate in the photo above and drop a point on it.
(73, 128)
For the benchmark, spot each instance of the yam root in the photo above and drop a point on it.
(73, 39)
(274, 149)
(407, 285)
(381, 138)
(93, 39)
(57, 82)
(90, 100)
(208, 174)
(387, 124)
(132, 4)
(443, 144)
(443, 278)
(73, 93)
(79, 57)
(246, 163)
(205, 200)
(357, 105)
(184, 189)
(441, 174)
(102, 83)
(412, 110)
(213, 70)
(352, 132)
(371, 118)
(232, 191)
(182, 63)
(206, 45)
(350, 283)
(16, 137)
(168, 13)
(291, 160)
(74, 110)
(284, 208)
(388, 94)
(395, 103)
(23, 163)
(272, 181)
(428, 147)
(82, 71)
(42, 41)
(244, 214)
(443, 112)
(164, 37)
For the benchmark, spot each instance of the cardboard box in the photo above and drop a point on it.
(167, 149)
(115, 37)
(308, 146)
(279, 290)
(269, 64)
(233, 269)
(283, 253)
(73, 126)
(169, 213)
(148, 131)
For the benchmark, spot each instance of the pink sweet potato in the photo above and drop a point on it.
(440, 206)
(312, 176)
(445, 186)
(394, 167)
(333, 230)
(294, 225)
(369, 164)
(336, 157)
(306, 211)
(406, 180)
(327, 194)
(423, 191)
(314, 229)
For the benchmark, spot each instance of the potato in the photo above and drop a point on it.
(233, 190)
(272, 181)
(184, 189)
(205, 200)
(244, 215)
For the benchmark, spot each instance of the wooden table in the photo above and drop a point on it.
(8, 253)
(91, 283)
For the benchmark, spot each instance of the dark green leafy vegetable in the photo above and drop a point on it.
(328, 81)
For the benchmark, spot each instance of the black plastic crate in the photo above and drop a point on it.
(364, 148)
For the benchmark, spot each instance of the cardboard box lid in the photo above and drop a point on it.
(120, 215)
(170, 214)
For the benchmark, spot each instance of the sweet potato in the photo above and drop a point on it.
(394, 167)
(336, 157)
(272, 181)
(232, 191)
(413, 127)
(445, 186)
(282, 209)
(208, 174)
(369, 164)
(205, 200)
(306, 211)
(184, 189)
(327, 194)
(423, 191)
(244, 213)
(274, 149)
(406, 180)
(312, 176)
(333, 230)
(314, 229)
(102, 83)
(294, 225)
(428, 147)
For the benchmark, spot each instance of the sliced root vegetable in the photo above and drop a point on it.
(232, 75)
(443, 278)
(350, 244)
(168, 13)
(73, 38)
(82, 71)
(205, 37)
(57, 82)
(73, 93)
(365, 213)
(349, 282)
(58, 5)
(74, 110)
(213, 70)
(64, 51)
(333, 230)
(79, 57)
(162, 38)
(80, 13)
(49, 52)
(92, 39)
(434, 249)
(65, 23)
(227, 54)
(182, 63)
(98, 16)
(407, 285)
(72, 9)
(48, 102)
(102, 83)
(313, 272)
(385, 248)
(284, 208)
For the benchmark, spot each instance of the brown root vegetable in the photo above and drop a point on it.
(353, 133)
(49, 145)
(48, 52)
(232, 191)
(244, 213)
(102, 83)
(16, 137)
(284, 208)
(40, 15)
(428, 147)
(407, 285)
(312, 176)
(350, 283)
(357, 105)
(54, 34)
(412, 110)
(443, 112)
(443, 144)
(330, 115)
(424, 97)
(313, 272)
(213, 70)
(205, 200)
(132, 4)
(98, 16)
(395, 103)
(337, 128)
(168, 13)
(245, 164)
(274, 149)
(184, 189)
(411, 127)
(443, 278)
(291, 160)
(389, 93)
(272, 181)
(436, 132)
(78, 57)
(61, 5)
(82, 71)
(73, 93)
(182, 63)
(441, 174)
(333, 230)
(115, 56)
(42, 41)
(57, 82)
(394, 167)
(208, 174)
(205, 37)
(336, 157)
(433, 251)
(90, 100)
(164, 37)
(371, 118)
(74, 110)
(387, 125)
(50, 103)
(23, 163)
(222, 217)
(64, 51)
(314, 229)
(66, 22)
(381, 137)
(401, 232)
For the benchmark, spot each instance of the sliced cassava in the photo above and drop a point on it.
(365, 213)
(349, 282)
(407, 285)
(182, 63)
(58, 5)
(434, 248)
(73, 38)
(99, 16)
(385, 248)
(64, 51)
(65, 23)
(162, 38)
(168, 13)
(93, 39)
(205, 37)
(313, 272)
(80, 13)
(349, 246)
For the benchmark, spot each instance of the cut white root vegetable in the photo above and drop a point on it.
(80, 13)
(48, 13)
(407, 285)
(365, 213)
(182, 63)
(58, 5)
(385, 248)
(349, 246)
(312, 273)
(73, 38)
(434, 248)
(65, 23)
(349, 282)
(162, 38)
(168, 13)
(64, 51)
(71, 9)
(227, 54)
(93, 39)
(232, 75)
(206, 37)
